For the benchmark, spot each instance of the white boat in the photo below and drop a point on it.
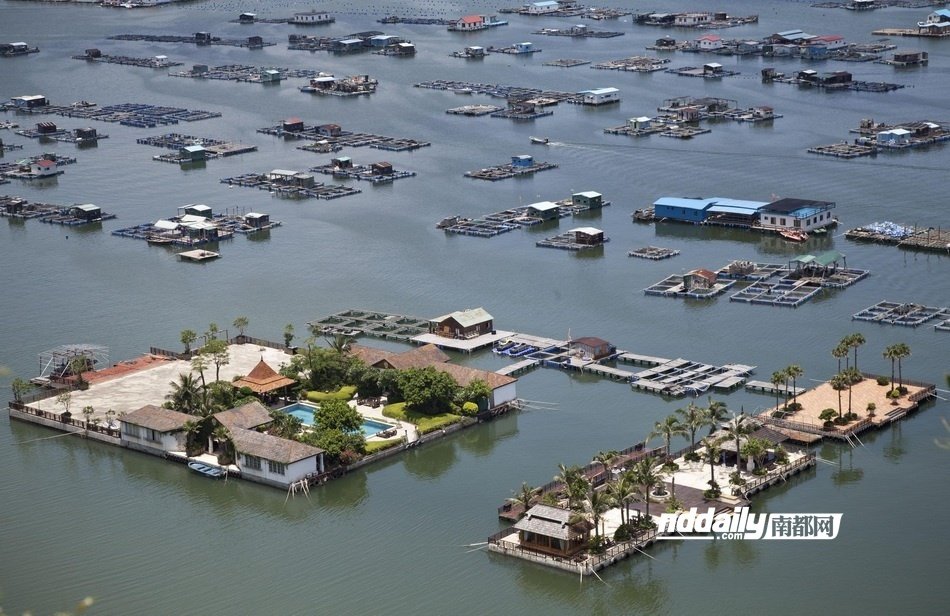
(539, 140)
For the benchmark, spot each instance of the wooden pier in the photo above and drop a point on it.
(768, 388)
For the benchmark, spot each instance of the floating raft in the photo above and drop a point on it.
(653, 253)
(568, 241)
(363, 172)
(782, 293)
(507, 220)
(215, 147)
(750, 270)
(501, 91)
(246, 73)
(474, 110)
(893, 313)
(679, 377)
(566, 62)
(345, 138)
(674, 286)
(634, 64)
(844, 150)
(576, 32)
(698, 71)
(198, 255)
(502, 172)
(316, 191)
(152, 62)
(250, 42)
(356, 322)
(128, 114)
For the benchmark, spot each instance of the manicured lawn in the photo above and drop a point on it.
(375, 446)
(424, 423)
(344, 393)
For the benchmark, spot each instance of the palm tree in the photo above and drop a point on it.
(647, 477)
(598, 503)
(737, 427)
(839, 352)
(623, 490)
(890, 353)
(839, 383)
(794, 372)
(853, 377)
(854, 341)
(339, 343)
(199, 363)
(694, 418)
(241, 324)
(524, 497)
(778, 377)
(713, 451)
(192, 429)
(575, 485)
(186, 394)
(188, 337)
(716, 412)
(605, 459)
(901, 351)
(754, 449)
(668, 428)
(288, 334)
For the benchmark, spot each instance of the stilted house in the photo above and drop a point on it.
(462, 324)
(589, 199)
(550, 530)
(699, 279)
(545, 210)
(593, 348)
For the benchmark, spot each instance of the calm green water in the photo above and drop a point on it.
(147, 537)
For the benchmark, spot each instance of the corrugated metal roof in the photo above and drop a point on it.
(590, 194)
(544, 206)
(586, 230)
(467, 318)
(690, 203)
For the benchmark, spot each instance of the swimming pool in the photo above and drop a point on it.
(304, 412)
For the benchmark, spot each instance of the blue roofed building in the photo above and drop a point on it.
(734, 212)
(681, 209)
(714, 210)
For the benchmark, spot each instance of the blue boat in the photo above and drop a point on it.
(207, 471)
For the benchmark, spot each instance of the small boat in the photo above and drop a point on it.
(158, 240)
(539, 140)
(463, 90)
(821, 231)
(207, 471)
(794, 235)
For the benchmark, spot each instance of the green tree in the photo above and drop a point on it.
(336, 443)
(605, 459)
(427, 390)
(338, 415)
(339, 343)
(188, 338)
(194, 440)
(365, 378)
(716, 413)
(20, 388)
(852, 377)
(901, 351)
(217, 351)
(322, 369)
(794, 372)
(778, 379)
(623, 490)
(739, 426)
(694, 418)
(646, 473)
(227, 453)
(839, 383)
(241, 324)
(185, 395)
(77, 366)
(855, 341)
(839, 353)
(288, 334)
(575, 485)
(65, 399)
(525, 497)
(87, 412)
(212, 333)
(755, 449)
(713, 449)
(598, 503)
(476, 391)
(668, 428)
(890, 353)
(200, 363)
(284, 424)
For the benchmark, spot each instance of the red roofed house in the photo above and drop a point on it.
(699, 279)
(43, 168)
(709, 42)
(470, 22)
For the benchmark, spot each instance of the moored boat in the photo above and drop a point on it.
(795, 235)
(207, 471)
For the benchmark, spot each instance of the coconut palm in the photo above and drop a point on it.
(839, 383)
(890, 353)
(525, 497)
(694, 418)
(575, 485)
(901, 351)
(778, 378)
(188, 337)
(755, 449)
(840, 352)
(186, 393)
(716, 413)
(794, 372)
(853, 377)
(739, 426)
(713, 449)
(668, 428)
(623, 490)
(200, 363)
(854, 341)
(646, 475)
(228, 453)
(598, 503)
(605, 459)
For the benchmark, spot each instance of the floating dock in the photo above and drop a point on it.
(251, 42)
(675, 286)
(903, 236)
(78, 136)
(634, 64)
(894, 313)
(68, 215)
(368, 173)
(908, 32)
(566, 62)
(578, 32)
(508, 220)
(501, 91)
(654, 253)
(502, 172)
(198, 255)
(750, 270)
(286, 188)
(781, 293)
(844, 150)
(128, 114)
(474, 110)
(763, 387)
(699, 71)
(855, 86)
(568, 241)
(213, 147)
(246, 73)
(151, 62)
(334, 135)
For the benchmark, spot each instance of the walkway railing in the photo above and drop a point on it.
(805, 461)
(57, 417)
(258, 341)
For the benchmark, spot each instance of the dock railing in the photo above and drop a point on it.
(70, 421)
(819, 429)
(258, 341)
(781, 471)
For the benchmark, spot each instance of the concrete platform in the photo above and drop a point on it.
(465, 345)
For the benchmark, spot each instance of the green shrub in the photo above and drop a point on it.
(883, 380)
(712, 494)
(692, 457)
(377, 446)
(894, 394)
(423, 422)
(795, 407)
(596, 545)
(758, 472)
(840, 421)
(344, 393)
(469, 409)
(827, 415)
(622, 533)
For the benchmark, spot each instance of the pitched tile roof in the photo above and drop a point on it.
(249, 416)
(157, 418)
(263, 379)
(270, 447)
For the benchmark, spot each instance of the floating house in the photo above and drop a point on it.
(43, 168)
(709, 42)
(549, 530)
(469, 23)
(192, 154)
(588, 236)
(522, 161)
(588, 199)
(545, 210)
(699, 279)
(593, 348)
(312, 18)
(198, 210)
(30, 101)
(801, 214)
(894, 137)
(600, 96)
(270, 76)
(909, 58)
(462, 324)
(542, 8)
(691, 20)
(289, 177)
(525, 47)
(247, 18)
(257, 220)
(640, 123)
(154, 429)
(87, 212)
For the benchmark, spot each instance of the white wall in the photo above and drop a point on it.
(294, 472)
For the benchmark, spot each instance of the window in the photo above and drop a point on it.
(151, 435)
(276, 467)
(252, 462)
(130, 430)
